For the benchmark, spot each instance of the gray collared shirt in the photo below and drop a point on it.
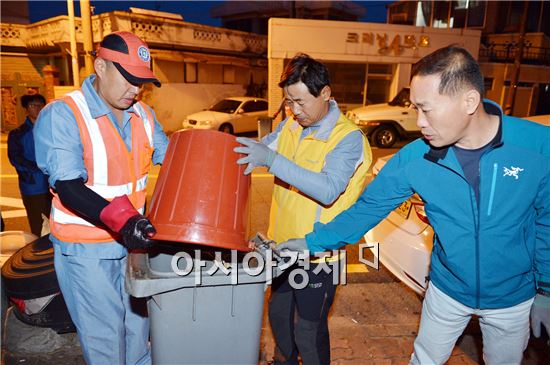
(340, 164)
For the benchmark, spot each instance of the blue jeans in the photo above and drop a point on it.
(110, 329)
(505, 331)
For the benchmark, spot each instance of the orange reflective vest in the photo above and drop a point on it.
(112, 170)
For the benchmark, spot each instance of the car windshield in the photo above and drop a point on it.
(226, 106)
(401, 99)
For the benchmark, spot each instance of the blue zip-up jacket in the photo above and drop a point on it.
(485, 255)
(32, 180)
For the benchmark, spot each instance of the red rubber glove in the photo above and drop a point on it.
(121, 217)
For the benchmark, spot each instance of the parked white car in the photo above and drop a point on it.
(404, 239)
(385, 123)
(229, 115)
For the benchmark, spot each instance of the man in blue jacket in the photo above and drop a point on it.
(33, 184)
(485, 181)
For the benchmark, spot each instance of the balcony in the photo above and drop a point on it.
(161, 33)
(506, 53)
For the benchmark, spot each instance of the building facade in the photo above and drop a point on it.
(500, 26)
(371, 63)
(197, 64)
(368, 62)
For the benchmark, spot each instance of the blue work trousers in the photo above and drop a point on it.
(112, 327)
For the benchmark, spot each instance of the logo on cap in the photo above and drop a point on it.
(143, 53)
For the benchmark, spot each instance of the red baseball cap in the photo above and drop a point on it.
(130, 55)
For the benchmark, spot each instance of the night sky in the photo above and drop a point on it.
(192, 11)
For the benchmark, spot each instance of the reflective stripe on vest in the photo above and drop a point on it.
(112, 170)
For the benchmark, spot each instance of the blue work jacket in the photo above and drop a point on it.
(487, 254)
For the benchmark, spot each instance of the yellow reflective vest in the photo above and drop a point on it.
(293, 213)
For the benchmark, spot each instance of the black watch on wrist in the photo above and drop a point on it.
(545, 292)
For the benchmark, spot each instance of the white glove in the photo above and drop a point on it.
(296, 244)
(258, 154)
(540, 314)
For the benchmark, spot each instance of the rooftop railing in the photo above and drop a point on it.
(506, 53)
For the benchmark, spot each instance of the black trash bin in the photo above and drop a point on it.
(29, 281)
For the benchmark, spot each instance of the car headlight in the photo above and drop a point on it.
(205, 122)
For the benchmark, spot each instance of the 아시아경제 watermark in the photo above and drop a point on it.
(255, 264)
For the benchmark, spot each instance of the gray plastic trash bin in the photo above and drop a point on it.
(212, 323)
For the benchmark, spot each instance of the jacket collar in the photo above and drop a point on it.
(29, 123)
(97, 106)
(439, 153)
(323, 128)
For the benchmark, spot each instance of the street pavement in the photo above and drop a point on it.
(374, 318)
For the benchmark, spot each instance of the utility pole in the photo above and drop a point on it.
(293, 9)
(74, 52)
(509, 108)
(86, 17)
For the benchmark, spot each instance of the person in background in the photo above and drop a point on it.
(33, 183)
(320, 161)
(485, 180)
(97, 144)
